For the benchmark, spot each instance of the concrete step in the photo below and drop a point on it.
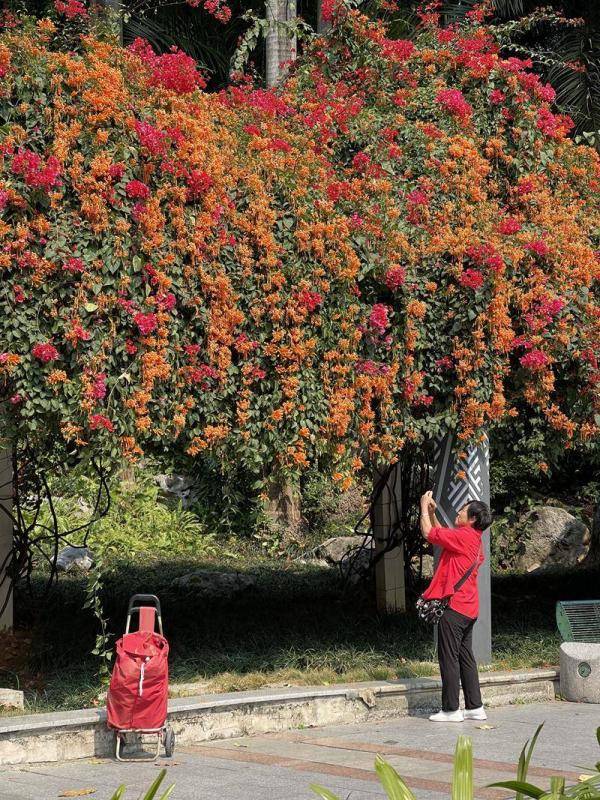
(61, 736)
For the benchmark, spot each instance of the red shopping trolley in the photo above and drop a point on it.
(139, 685)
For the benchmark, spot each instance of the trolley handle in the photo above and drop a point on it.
(145, 600)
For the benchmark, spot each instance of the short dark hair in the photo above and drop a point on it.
(479, 514)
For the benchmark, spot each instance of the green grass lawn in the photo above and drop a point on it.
(296, 626)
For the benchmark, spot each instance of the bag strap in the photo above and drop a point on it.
(467, 574)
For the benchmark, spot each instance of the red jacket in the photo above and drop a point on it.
(460, 548)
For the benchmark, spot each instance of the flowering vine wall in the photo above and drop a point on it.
(399, 239)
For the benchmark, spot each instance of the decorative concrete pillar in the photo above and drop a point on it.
(457, 481)
(280, 45)
(322, 26)
(389, 568)
(6, 538)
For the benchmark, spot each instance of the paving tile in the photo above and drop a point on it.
(282, 766)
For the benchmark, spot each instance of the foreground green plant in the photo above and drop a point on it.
(152, 793)
(588, 787)
(396, 789)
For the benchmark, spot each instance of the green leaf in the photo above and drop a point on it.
(522, 788)
(152, 791)
(324, 793)
(91, 307)
(525, 758)
(394, 786)
(462, 778)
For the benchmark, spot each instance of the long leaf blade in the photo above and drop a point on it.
(525, 759)
(462, 778)
(520, 787)
(324, 793)
(153, 790)
(393, 785)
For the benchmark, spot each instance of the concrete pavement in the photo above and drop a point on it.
(283, 765)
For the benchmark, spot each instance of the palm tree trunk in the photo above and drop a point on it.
(280, 45)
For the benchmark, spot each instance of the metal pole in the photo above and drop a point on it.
(451, 492)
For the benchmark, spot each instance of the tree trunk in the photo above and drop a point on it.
(280, 45)
(283, 507)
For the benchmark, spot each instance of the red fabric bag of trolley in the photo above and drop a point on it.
(139, 685)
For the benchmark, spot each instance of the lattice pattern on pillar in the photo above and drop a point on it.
(459, 480)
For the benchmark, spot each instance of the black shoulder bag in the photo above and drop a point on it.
(433, 610)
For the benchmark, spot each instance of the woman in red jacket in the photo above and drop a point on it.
(461, 551)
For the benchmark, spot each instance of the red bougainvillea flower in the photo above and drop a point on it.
(309, 300)
(497, 97)
(137, 190)
(485, 255)
(472, 279)
(35, 173)
(553, 125)
(444, 363)
(100, 421)
(280, 145)
(16, 399)
(361, 161)
(154, 140)
(174, 70)
(192, 349)
(534, 360)
(116, 171)
(19, 294)
(74, 265)
(167, 302)
(509, 226)
(97, 389)
(199, 375)
(216, 8)
(146, 322)
(44, 352)
(379, 318)
(418, 197)
(398, 49)
(453, 100)
(395, 278)
(538, 247)
(71, 9)
(198, 182)
(3, 198)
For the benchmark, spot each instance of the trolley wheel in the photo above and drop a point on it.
(169, 741)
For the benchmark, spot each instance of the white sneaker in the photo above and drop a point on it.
(448, 716)
(475, 713)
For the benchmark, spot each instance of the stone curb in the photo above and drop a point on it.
(83, 734)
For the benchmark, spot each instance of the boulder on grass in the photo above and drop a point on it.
(177, 488)
(552, 539)
(75, 558)
(333, 550)
(217, 585)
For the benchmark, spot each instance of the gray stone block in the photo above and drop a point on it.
(11, 698)
(580, 672)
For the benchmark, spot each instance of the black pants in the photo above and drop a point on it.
(457, 662)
